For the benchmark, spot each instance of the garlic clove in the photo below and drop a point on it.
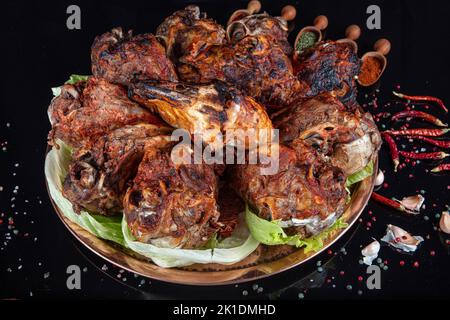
(370, 252)
(379, 179)
(401, 239)
(444, 223)
(413, 203)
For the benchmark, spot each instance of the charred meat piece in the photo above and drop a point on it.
(349, 138)
(187, 32)
(306, 194)
(261, 24)
(88, 110)
(328, 67)
(171, 205)
(254, 65)
(98, 174)
(121, 58)
(205, 109)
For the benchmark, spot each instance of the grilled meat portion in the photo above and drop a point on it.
(261, 24)
(254, 63)
(98, 174)
(349, 138)
(205, 109)
(187, 32)
(172, 205)
(306, 193)
(88, 110)
(123, 58)
(328, 67)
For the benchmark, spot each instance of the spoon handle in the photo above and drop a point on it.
(321, 22)
(382, 46)
(253, 6)
(288, 13)
(353, 32)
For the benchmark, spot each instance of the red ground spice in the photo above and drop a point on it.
(370, 70)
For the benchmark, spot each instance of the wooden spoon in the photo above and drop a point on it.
(253, 6)
(320, 23)
(288, 13)
(382, 48)
(352, 33)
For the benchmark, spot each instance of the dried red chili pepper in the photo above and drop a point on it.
(422, 98)
(418, 132)
(438, 143)
(441, 167)
(419, 114)
(386, 201)
(424, 155)
(393, 149)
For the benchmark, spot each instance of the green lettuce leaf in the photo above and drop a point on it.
(271, 233)
(228, 251)
(243, 242)
(56, 164)
(367, 171)
(73, 79)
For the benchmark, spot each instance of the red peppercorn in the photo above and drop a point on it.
(416, 264)
(341, 273)
(432, 253)
(402, 263)
(360, 278)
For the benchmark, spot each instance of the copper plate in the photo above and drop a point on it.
(263, 262)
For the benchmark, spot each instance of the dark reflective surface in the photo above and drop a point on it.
(39, 52)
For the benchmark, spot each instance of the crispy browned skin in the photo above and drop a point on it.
(256, 64)
(261, 24)
(172, 205)
(328, 67)
(121, 58)
(306, 192)
(188, 32)
(349, 137)
(88, 110)
(99, 172)
(218, 108)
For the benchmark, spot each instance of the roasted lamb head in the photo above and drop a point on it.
(306, 194)
(261, 24)
(172, 205)
(123, 58)
(88, 110)
(188, 32)
(349, 138)
(202, 109)
(254, 64)
(98, 174)
(328, 67)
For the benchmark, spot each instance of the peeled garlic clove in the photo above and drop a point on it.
(401, 239)
(444, 223)
(379, 179)
(370, 252)
(413, 203)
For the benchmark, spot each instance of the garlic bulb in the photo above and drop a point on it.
(370, 252)
(379, 179)
(413, 203)
(401, 239)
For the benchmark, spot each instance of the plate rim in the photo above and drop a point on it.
(182, 276)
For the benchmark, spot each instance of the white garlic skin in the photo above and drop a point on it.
(444, 223)
(379, 179)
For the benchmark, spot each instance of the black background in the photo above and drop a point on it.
(38, 52)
